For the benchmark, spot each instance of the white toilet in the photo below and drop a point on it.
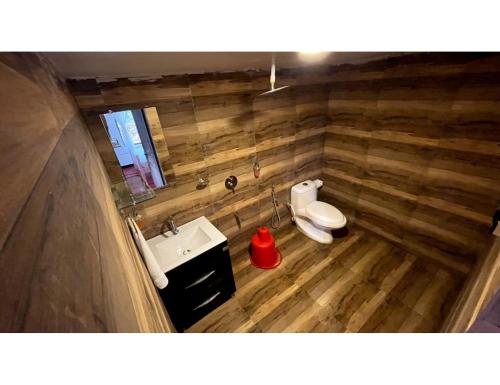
(313, 218)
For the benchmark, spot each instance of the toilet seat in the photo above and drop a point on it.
(325, 215)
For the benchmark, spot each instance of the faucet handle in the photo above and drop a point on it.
(171, 224)
(231, 182)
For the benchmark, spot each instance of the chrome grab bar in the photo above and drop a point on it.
(207, 301)
(200, 280)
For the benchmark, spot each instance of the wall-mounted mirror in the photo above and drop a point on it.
(141, 152)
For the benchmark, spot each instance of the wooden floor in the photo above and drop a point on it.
(360, 283)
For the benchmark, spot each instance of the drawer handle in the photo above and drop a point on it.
(200, 280)
(207, 301)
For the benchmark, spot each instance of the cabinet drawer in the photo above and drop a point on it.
(199, 286)
(198, 289)
(212, 299)
(192, 271)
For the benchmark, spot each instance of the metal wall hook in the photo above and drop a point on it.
(202, 183)
(256, 169)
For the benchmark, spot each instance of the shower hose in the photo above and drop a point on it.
(275, 219)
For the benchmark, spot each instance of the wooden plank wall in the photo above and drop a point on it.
(67, 262)
(216, 125)
(413, 151)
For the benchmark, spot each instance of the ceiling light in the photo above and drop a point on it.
(313, 56)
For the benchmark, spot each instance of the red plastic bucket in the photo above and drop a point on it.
(263, 251)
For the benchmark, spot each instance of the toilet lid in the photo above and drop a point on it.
(325, 215)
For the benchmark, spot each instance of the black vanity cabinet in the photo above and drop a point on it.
(199, 286)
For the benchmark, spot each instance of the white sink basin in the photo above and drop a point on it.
(193, 239)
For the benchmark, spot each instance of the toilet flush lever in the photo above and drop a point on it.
(231, 182)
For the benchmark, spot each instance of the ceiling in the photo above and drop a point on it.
(137, 64)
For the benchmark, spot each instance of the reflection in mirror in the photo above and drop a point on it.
(132, 142)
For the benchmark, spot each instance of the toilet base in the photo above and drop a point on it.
(340, 233)
(314, 232)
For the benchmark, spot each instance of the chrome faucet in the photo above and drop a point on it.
(171, 225)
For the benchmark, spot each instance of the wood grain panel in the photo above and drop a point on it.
(360, 283)
(134, 92)
(408, 148)
(26, 129)
(68, 263)
(480, 287)
(216, 125)
(427, 175)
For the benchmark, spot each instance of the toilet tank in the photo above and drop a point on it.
(304, 193)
